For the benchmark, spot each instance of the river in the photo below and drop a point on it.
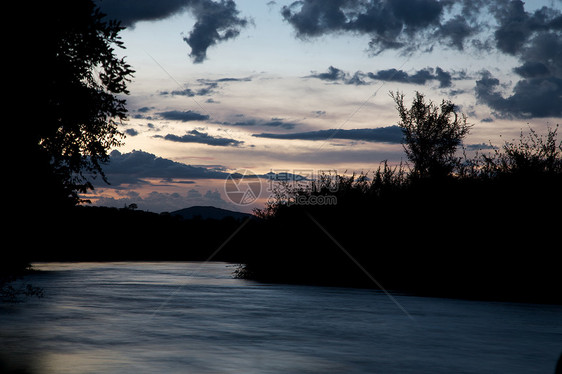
(188, 317)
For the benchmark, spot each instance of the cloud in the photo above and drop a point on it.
(419, 77)
(333, 74)
(130, 12)
(206, 87)
(479, 147)
(390, 134)
(536, 40)
(195, 136)
(455, 31)
(215, 21)
(131, 132)
(133, 167)
(274, 122)
(176, 115)
(391, 75)
(390, 24)
(336, 75)
(534, 97)
(203, 91)
(184, 92)
(498, 26)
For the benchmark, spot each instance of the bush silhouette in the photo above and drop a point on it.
(480, 228)
(432, 134)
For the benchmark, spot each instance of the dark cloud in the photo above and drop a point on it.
(333, 74)
(391, 75)
(133, 167)
(246, 79)
(479, 147)
(176, 115)
(391, 24)
(516, 26)
(203, 91)
(455, 31)
(195, 136)
(390, 134)
(536, 40)
(501, 26)
(274, 122)
(419, 77)
(337, 75)
(357, 79)
(130, 12)
(330, 160)
(534, 97)
(184, 92)
(205, 87)
(131, 132)
(532, 69)
(216, 21)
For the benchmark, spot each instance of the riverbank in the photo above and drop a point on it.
(423, 248)
(177, 317)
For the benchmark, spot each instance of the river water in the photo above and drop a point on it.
(174, 317)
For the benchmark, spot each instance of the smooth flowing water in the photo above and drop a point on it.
(196, 318)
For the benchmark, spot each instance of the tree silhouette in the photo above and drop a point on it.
(78, 99)
(67, 102)
(533, 156)
(432, 134)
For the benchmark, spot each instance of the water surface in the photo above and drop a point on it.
(196, 318)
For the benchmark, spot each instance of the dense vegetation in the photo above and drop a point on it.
(439, 225)
(64, 130)
(443, 225)
(87, 233)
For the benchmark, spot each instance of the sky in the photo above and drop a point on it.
(275, 88)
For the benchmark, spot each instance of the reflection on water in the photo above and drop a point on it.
(195, 318)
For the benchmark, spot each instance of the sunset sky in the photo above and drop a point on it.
(301, 87)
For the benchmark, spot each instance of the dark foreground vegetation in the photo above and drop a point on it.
(85, 233)
(459, 238)
(440, 224)
(443, 225)
(482, 228)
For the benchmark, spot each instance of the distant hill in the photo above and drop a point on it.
(211, 212)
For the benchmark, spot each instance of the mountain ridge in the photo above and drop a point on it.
(209, 212)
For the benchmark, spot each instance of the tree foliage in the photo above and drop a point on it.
(533, 155)
(447, 226)
(432, 134)
(79, 99)
(69, 84)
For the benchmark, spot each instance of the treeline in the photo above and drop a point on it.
(487, 229)
(440, 224)
(89, 233)
(443, 225)
(480, 237)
